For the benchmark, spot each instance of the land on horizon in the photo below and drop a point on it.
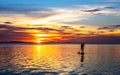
(20, 42)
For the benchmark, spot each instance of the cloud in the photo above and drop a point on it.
(8, 33)
(14, 33)
(116, 26)
(93, 39)
(4, 28)
(9, 9)
(109, 7)
(82, 26)
(109, 27)
(57, 15)
(8, 22)
(101, 28)
(26, 12)
(16, 36)
(83, 12)
(13, 28)
(97, 9)
(92, 10)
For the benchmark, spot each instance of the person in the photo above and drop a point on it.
(82, 47)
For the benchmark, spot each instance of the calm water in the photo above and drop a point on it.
(61, 59)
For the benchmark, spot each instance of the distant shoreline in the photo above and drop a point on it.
(57, 43)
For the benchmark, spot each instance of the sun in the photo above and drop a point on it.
(40, 38)
(38, 41)
(44, 38)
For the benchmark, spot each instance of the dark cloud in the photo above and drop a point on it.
(82, 26)
(30, 12)
(8, 22)
(14, 33)
(15, 36)
(2, 8)
(96, 39)
(109, 7)
(9, 28)
(95, 10)
(92, 10)
(65, 26)
(116, 26)
(8, 33)
(101, 28)
(110, 27)
(9, 9)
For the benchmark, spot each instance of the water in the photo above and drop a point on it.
(59, 59)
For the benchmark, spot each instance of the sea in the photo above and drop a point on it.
(59, 59)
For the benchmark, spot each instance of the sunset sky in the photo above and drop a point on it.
(89, 21)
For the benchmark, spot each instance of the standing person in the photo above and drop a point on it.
(82, 47)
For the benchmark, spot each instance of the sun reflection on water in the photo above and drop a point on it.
(54, 59)
(39, 58)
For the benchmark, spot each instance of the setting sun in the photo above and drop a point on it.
(44, 38)
(38, 41)
(42, 35)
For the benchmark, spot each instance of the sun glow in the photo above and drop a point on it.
(44, 38)
(42, 35)
(40, 38)
(38, 41)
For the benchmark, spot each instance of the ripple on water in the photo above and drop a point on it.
(59, 60)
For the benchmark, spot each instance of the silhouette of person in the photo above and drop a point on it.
(82, 47)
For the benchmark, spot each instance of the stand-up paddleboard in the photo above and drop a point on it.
(81, 53)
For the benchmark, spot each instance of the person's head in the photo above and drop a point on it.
(82, 43)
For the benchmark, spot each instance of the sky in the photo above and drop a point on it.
(45, 21)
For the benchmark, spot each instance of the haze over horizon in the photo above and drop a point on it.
(95, 21)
